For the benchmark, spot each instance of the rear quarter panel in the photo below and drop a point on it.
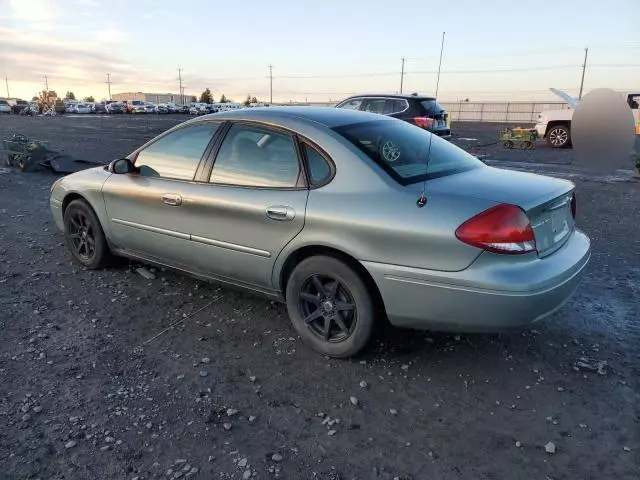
(366, 214)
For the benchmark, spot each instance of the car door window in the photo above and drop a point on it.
(256, 157)
(398, 106)
(177, 154)
(319, 169)
(353, 104)
(376, 105)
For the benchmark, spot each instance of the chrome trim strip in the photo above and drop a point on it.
(149, 228)
(231, 246)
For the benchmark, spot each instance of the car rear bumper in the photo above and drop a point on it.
(494, 293)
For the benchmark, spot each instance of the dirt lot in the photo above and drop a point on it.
(231, 392)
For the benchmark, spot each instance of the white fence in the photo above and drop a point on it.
(507, 112)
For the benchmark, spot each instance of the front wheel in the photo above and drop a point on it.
(559, 136)
(84, 236)
(330, 306)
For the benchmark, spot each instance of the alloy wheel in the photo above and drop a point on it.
(558, 137)
(82, 236)
(328, 308)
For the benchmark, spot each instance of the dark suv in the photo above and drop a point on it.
(416, 109)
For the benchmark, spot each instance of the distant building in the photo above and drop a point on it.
(151, 97)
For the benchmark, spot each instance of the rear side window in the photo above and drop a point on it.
(399, 106)
(256, 157)
(377, 105)
(319, 169)
(402, 150)
(432, 107)
(177, 154)
(353, 104)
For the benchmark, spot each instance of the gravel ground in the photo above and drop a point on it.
(230, 392)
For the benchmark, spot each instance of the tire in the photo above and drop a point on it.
(81, 226)
(559, 136)
(349, 328)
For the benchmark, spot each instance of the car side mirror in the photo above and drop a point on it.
(122, 165)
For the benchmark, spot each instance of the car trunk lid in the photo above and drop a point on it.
(546, 201)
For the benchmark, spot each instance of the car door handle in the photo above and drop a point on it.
(173, 199)
(281, 213)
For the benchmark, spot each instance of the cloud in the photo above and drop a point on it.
(32, 11)
(110, 35)
(88, 3)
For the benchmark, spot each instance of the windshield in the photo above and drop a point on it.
(401, 149)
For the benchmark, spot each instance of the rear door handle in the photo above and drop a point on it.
(281, 213)
(173, 199)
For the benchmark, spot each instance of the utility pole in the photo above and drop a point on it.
(46, 83)
(402, 75)
(109, 84)
(584, 67)
(181, 91)
(6, 81)
(270, 84)
(439, 66)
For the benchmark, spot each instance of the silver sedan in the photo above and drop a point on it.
(348, 217)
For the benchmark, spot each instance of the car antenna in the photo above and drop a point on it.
(422, 199)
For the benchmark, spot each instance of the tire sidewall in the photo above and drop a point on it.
(102, 250)
(361, 296)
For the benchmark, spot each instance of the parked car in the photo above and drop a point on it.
(115, 107)
(171, 107)
(161, 108)
(70, 108)
(183, 109)
(131, 104)
(4, 106)
(82, 108)
(138, 108)
(100, 107)
(149, 107)
(416, 109)
(320, 208)
(19, 106)
(198, 109)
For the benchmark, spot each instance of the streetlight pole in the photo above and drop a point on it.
(439, 66)
(584, 67)
(402, 75)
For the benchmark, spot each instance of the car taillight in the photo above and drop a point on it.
(503, 228)
(423, 122)
(574, 205)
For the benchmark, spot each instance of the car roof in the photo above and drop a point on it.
(393, 95)
(328, 116)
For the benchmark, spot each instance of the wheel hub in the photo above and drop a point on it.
(327, 306)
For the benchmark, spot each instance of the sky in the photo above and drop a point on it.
(321, 50)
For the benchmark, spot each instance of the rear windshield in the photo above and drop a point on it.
(402, 149)
(432, 107)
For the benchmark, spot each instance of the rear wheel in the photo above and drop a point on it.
(559, 136)
(84, 236)
(330, 306)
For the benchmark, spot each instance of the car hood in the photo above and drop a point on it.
(498, 185)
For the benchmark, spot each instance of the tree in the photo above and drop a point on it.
(193, 99)
(33, 99)
(89, 99)
(69, 96)
(247, 101)
(254, 100)
(223, 99)
(206, 97)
